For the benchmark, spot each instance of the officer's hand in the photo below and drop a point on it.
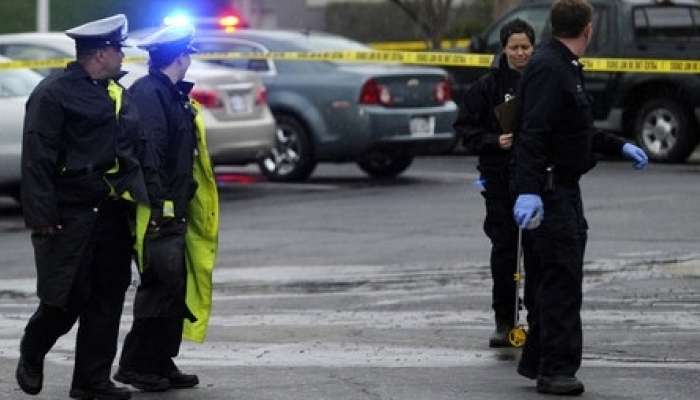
(505, 141)
(528, 211)
(637, 155)
(48, 230)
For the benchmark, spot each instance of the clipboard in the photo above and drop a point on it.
(507, 114)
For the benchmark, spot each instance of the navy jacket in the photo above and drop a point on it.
(556, 126)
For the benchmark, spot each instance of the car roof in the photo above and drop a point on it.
(50, 39)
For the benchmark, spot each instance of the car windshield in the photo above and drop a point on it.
(18, 82)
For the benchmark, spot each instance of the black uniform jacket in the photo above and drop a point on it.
(477, 122)
(557, 122)
(167, 120)
(72, 137)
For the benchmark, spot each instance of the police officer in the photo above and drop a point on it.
(79, 162)
(555, 146)
(484, 136)
(180, 243)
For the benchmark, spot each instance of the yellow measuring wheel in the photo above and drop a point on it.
(517, 336)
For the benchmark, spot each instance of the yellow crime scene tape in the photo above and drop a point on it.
(408, 57)
(419, 45)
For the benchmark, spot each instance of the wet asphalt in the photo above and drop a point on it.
(348, 288)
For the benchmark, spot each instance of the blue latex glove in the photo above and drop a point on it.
(528, 211)
(637, 155)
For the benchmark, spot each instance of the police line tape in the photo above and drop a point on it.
(403, 57)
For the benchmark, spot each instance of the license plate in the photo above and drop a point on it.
(422, 126)
(238, 103)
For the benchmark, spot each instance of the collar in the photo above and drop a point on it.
(565, 53)
(178, 89)
(76, 71)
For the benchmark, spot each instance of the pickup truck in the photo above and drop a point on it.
(660, 111)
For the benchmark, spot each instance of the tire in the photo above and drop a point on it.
(291, 159)
(383, 164)
(665, 130)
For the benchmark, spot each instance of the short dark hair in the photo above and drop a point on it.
(162, 59)
(517, 26)
(570, 17)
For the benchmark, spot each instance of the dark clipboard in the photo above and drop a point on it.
(507, 114)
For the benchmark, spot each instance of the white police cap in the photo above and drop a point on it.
(170, 39)
(108, 31)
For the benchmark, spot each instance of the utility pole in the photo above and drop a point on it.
(42, 15)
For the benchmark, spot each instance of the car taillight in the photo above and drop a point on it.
(442, 91)
(207, 98)
(261, 95)
(374, 93)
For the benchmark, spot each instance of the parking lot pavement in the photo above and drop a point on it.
(336, 290)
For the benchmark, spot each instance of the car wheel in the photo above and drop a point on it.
(291, 159)
(665, 131)
(382, 164)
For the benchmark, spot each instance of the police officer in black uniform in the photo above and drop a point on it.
(79, 165)
(555, 145)
(168, 123)
(484, 136)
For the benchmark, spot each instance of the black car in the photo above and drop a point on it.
(661, 111)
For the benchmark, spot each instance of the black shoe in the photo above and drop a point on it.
(527, 371)
(558, 384)
(29, 377)
(145, 382)
(179, 380)
(105, 391)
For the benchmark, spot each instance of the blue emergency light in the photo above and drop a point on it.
(178, 18)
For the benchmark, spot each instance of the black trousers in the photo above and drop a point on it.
(555, 339)
(501, 229)
(159, 306)
(96, 299)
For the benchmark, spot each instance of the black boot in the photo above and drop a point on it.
(179, 380)
(30, 376)
(145, 382)
(499, 337)
(560, 384)
(103, 391)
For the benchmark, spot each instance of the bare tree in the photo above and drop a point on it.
(431, 16)
(501, 6)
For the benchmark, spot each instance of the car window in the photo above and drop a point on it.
(330, 43)
(18, 82)
(601, 29)
(535, 16)
(247, 64)
(30, 52)
(655, 23)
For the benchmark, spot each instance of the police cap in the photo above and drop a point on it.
(110, 31)
(169, 42)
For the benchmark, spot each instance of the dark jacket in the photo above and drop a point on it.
(477, 122)
(167, 120)
(72, 138)
(556, 125)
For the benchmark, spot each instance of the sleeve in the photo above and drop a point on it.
(41, 147)
(608, 144)
(472, 121)
(154, 128)
(542, 104)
